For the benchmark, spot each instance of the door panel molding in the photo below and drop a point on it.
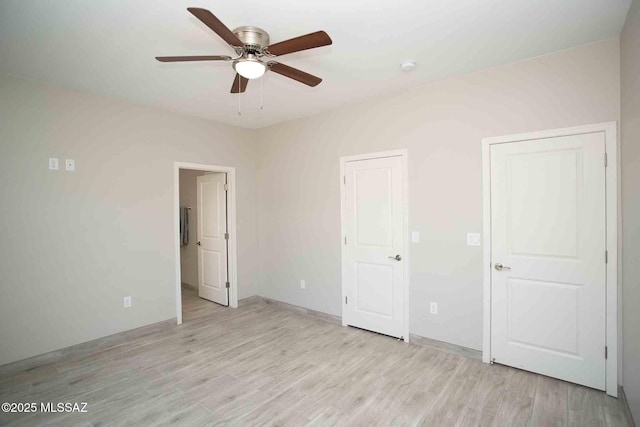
(231, 224)
(612, 198)
(402, 153)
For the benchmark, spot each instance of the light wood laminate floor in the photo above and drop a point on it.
(261, 365)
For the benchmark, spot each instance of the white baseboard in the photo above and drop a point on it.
(627, 409)
(249, 300)
(446, 347)
(291, 307)
(84, 348)
(189, 286)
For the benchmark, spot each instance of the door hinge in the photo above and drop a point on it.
(606, 257)
(226, 187)
(345, 240)
(606, 160)
(228, 285)
(344, 180)
(606, 352)
(226, 236)
(345, 300)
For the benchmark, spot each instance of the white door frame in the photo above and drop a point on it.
(612, 229)
(343, 227)
(231, 224)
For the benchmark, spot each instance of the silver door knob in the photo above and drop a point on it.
(397, 257)
(501, 267)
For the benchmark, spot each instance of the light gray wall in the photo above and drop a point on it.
(189, 252)
(630, 150)
(74, 244)
(441, 125)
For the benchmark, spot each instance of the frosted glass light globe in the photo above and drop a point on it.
(250, 68)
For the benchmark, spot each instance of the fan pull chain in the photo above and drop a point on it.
(239, 94)
(261, 103)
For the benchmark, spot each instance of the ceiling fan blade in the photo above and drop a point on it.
(210, 20)
(239, 84)
(192, 58)
(310, 41)
(295, 74)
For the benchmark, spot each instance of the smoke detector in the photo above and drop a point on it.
(407, 66)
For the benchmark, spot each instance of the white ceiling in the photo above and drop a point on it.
(107, 47)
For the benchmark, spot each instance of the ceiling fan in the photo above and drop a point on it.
(254, 51)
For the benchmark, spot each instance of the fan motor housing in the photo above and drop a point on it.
(254, 38)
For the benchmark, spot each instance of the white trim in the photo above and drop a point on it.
(405, 164)
(486, 252)
(613, 232)
(231, 207)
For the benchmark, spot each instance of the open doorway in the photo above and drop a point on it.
(204, 199)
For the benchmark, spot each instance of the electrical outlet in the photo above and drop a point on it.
(433, 308)
(127, 302)
(53, 164)
(303, 284)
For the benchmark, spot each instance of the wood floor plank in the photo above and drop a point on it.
(514, 410)
(614, 412)
(550, 406)
(486, 396)
(329, 417)
(586, 407)
(521, 382)
(261, 364)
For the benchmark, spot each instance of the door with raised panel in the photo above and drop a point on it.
(548, 241)
(373, 264)
(212, 238)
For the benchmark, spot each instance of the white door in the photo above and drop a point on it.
(373, 265)
(548, 274)
(212, 238)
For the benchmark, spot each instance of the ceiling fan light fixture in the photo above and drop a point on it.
(252, 44)
(250, 68)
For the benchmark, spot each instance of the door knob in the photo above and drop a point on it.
(501, 267)
(397, 257)
(198, 243)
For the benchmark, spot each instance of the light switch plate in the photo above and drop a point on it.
(415, 236)
(473, 239)
(53, 164)
(70, 165)
(303, 284)
(127, 302)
